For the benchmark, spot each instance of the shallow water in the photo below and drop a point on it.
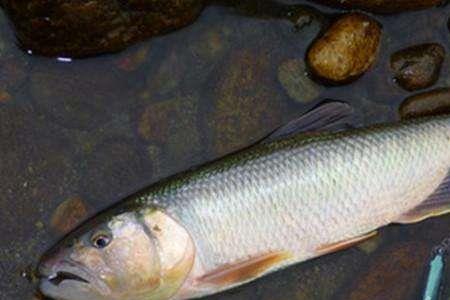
(100, 128)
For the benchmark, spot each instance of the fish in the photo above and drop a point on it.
(315, 186)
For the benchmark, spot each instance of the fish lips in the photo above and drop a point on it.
(58, 273)
(70, 278)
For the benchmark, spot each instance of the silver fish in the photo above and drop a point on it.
(273, 205)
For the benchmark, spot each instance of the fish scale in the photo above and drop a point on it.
(301, 193)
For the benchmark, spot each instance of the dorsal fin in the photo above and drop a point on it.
(436, 204)
(328, 116)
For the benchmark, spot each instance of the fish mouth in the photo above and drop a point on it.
(64, 271)
(58, 277)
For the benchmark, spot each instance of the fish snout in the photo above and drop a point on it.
(52, 261)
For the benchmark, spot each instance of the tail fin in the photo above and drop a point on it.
(435, 205)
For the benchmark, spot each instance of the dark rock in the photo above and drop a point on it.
(417, 67)
(84, 27)
(346, 50)
(426, 104)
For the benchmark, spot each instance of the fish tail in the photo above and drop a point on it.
(438, 203)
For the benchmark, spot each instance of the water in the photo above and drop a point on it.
(97, 129)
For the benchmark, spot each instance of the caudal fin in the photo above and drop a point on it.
(436, 204)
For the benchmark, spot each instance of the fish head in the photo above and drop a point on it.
(130, 256)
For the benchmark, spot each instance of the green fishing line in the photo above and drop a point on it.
(434, 278)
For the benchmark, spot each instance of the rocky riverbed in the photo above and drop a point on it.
(79, 134)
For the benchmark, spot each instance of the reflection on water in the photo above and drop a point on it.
(89, 132)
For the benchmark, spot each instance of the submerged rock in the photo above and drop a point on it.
(293, 77)
(346, 50)
(384, 6)
(426, 104)
(81, 28)
(69, 214)
(418, 67)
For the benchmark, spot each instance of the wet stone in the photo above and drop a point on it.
(346, 50)
(418, 67)
(70, 213)
(429, 103)
(292, 75)
(82, 28)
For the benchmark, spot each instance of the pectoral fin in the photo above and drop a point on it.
(244, 271)
(435, 205)
(333, 247)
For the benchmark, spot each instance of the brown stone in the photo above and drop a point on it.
(417, 67)
(86, 27)
(430, 103)
(346, 50)
(69, 214)
(293, 78)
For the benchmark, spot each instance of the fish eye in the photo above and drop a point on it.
(101, 240)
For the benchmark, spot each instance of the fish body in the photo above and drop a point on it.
(274, 205)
